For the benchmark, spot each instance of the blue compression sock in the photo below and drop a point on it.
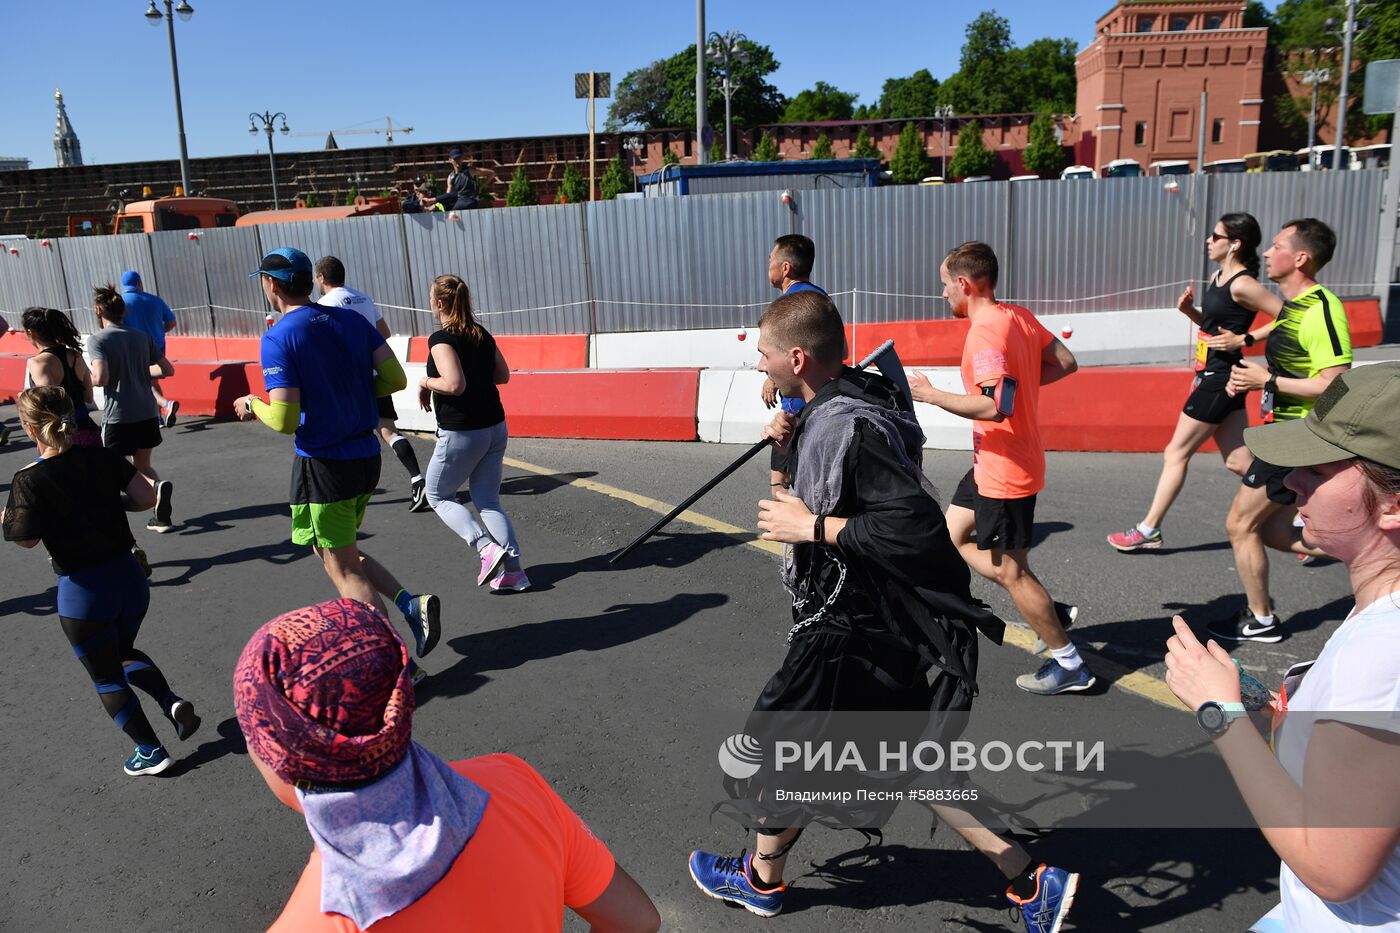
(404, 600)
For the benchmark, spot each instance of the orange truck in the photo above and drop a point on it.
(170, 213)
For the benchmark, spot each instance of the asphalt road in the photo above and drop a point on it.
(606, 680)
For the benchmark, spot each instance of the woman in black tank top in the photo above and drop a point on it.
(1233, 297)
(60, 362)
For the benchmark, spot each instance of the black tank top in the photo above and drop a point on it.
(1221, 312)
(73, 386)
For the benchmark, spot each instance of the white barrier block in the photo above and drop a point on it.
(715, 386)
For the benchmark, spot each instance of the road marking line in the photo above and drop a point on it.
(1134, 682)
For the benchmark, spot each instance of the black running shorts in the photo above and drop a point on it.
(127, 437)
(1211, 405)
(1002, 524)
(1270, 478)
(386, 407)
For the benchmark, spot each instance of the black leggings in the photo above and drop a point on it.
(115, 666)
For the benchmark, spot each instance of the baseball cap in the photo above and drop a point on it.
(283, 264)
(1353, 417)
(455, 154)
(131, 279)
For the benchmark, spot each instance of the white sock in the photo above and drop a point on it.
(1147, 529)
(1068, 657)
(1264, 620)
(416, 478)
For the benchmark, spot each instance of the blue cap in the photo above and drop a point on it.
(283, 264)
(131, 279)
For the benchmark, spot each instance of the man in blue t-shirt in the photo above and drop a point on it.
(150, 314)
(323, 367)
(789, 268)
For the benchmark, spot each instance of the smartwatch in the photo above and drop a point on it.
(1214, 718)
(1249, 340)
(248, 405)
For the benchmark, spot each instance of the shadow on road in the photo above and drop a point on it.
(279, 554)
(221, 521)
(535, 484)
(33, 604)
(670, 550)
(229, 742)
(505, 649)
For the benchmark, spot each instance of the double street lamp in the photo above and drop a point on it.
(728, 50)
(267, 120)
(943, 114)
(1313, 77)
(154, 16)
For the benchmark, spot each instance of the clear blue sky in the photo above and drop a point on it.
(451, 70)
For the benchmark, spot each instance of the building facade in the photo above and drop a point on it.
(67, 151)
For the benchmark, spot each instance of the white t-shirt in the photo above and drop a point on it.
(355, 301)
(1358, 672)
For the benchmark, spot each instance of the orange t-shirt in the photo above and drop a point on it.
(530, 856)
(1008, 458)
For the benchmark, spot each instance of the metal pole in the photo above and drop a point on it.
(1340, 139)
(272, 160)
(179, 111)
(1201, 142)
(728, 119)
(1312, 129)
(1385, 253)
(943, 155)
(592, 148)
(701, 156)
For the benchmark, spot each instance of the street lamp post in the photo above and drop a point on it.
(267, 120)
(1314, 77)
(154, 16)
(727, 50)
(943, 115)
(633, 144)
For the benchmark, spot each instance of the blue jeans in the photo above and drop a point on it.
(474, 458)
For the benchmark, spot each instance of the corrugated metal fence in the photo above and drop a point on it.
(701, 261)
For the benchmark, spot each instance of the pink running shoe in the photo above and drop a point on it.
(1134, 540)
(493, 556)
(512, 580)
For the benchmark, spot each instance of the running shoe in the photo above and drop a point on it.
(1052, 678)
(139, 764)
(419, 502)
(511, 580)
(141, 559)
(726, 878)
(423, 617)
(1067, 615)
(493, 556)
(1046, 910)
(183, 717)
(1244, 627)
(167, 413)
(160, 522)
(1134, 540)
(4, 435)
(416, 674)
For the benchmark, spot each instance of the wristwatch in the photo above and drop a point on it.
(1215, 718)
(248, 405)
(1249, 340)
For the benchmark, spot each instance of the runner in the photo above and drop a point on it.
(1309, 346)
(74, 500)
(330, 279)
(150, 314)
(464, 368)
(60, 362)
(1233, 297)
(323, 367)
(883, 617)
(124, 361)
(1008, 356)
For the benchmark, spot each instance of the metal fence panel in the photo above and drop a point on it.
(371, 249)
(32, 276)
(525, 266)
(179, 279)
(797, 181)
(92, 261)
(230, 253)
(683, 263)
(1114, 244)
(887, 243)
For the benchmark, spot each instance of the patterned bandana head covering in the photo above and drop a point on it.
(323, 694)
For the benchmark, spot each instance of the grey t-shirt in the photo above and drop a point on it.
(128, 354)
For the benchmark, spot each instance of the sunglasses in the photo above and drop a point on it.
(1212, 237)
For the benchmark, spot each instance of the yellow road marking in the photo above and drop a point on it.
(1135, 682)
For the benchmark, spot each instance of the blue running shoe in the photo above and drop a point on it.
(1048, 907)
(423, 617)
(155, 763)
(1052, 679)
(727, 878)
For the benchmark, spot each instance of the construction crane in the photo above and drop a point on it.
(388, 130)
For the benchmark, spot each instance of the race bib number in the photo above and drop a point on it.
(1266, 405)
(1201, 350)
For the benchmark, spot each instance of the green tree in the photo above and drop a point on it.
(485, 195)
(640, 99)
(1044, 155)
(669, 157)
(716, 151)
(866, 112)
(617, 178)
(971, 157)
(821, 149)
(907, 98)
(1256, 15)
(766, 150)
(1044, 76)
(910, 162)
(311, 200)
(820, 103)
(573, 188)
(994, 76)
(520, 193)
(351, 196)
(662, 93)
(865, 147)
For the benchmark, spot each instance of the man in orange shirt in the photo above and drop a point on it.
(404, 840)
(1008, 356)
